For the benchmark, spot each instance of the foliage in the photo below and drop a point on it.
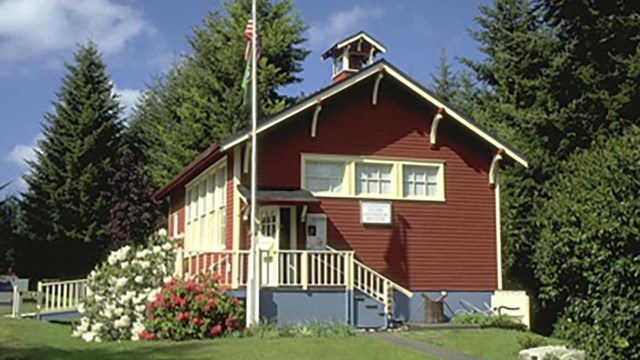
(8, 236)
(192, 309)
(132, 213)
(444, 84)
(588, 255)
(531, 341)
(118, 290)
(65, 209)
(199, 101)
(314, 329)
(492, 321)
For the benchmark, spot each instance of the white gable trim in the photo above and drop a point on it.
(455, 115)
(363, 75)
(364, 37)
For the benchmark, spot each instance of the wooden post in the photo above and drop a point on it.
(39, 300)
(178, 271)
(235, 264)
(304, 276)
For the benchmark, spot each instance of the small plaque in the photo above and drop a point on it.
(375, 212)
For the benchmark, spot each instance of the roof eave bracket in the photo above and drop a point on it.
(493, 168)
(376, 86)
(316, 114)
(434, 126)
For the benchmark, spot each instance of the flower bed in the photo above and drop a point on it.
(192, 309)
(118, 291)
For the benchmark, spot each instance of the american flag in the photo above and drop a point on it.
(248, 33)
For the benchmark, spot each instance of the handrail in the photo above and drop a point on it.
(58, 296)
(400, 288)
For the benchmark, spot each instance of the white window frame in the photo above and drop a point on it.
(439, 182)
(203, 228)
(344, 175)
(397, 179)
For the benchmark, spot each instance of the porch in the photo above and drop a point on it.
(318, 284)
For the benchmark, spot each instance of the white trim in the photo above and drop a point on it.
(247, 158)
(455, 115)
(496, 190)
(205, 173)
(362, 36)
(235, 241)
(376, 88)
(363, 75)
(316, 113)
(397, 179)
(493, 169)
(434, 127)
(305, 105)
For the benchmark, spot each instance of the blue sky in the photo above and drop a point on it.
(140, 38)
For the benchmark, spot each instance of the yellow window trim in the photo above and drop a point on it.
(349, 181)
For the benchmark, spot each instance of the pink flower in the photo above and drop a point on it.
(197, 321)
(190, 285)
(183, 316)
(215, 330)
(206, 308)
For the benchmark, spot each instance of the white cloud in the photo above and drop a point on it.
(128, 98)
(341, 24)
(45, 29)
(21, 153)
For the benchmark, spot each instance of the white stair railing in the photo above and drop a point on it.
(60, 296)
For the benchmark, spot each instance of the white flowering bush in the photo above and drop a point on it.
(119, 289)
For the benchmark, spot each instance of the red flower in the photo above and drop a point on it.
(183, 316)
(216, 277)
(215, 330)
(149, 306)
(197, 321)
(144, 335)
(235, 301)
(206, 308)
(150, 317)
(190, 285)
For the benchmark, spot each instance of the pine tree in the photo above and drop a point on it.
(8, 213)
(65, 208)
(199, 102)
(445, 82)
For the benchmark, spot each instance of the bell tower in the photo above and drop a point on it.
(352, 54)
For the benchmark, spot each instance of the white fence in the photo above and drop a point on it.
(60, 296)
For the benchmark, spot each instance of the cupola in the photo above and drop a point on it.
(352, 54)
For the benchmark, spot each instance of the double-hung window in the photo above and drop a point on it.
(325, 176)
(420, 181)
(205, 202)
(374, 179)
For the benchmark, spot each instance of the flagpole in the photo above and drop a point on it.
(253, 288)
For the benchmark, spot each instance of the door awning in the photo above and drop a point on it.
(279, 196)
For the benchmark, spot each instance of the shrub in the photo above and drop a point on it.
(532, 341)
(193, 309)
(314, 329)
(494, 321)
(118, 289)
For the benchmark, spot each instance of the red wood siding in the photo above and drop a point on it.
(177, 205)
(431, 245)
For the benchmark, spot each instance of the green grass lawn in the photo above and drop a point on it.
(29, 339)
(488, 344)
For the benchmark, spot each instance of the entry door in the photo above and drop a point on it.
(268, 242)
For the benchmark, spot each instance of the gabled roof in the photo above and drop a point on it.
(350, 39)
(330, 91)
(373, 69)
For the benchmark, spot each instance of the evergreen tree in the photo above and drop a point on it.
(65, 210)
(132, 213)
(445, 82)
(8, 212)
(199, 102)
